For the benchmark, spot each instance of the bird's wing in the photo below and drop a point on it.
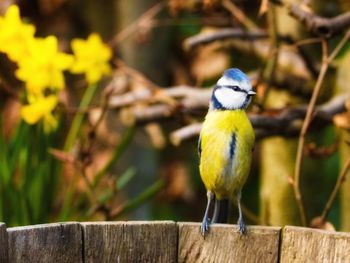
(199, 146)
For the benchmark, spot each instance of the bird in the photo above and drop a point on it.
(225, 146)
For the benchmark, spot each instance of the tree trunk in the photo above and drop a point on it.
(343, 80)
(277, 201)
(278, 204)
(148, 51)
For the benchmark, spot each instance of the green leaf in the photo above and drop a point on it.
(118, 152)
(125, 178)
(105, 197)
(142, 197)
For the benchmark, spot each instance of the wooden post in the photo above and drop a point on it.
(57, 243)
(130, 242)
(224, 244)
(313, 245)
(169, 242)
(3, 244)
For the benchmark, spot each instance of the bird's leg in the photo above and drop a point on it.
(241, 224)
(206, 222)
(215, 218)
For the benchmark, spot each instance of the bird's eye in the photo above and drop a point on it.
(236, 88)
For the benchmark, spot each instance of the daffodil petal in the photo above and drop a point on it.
(38, 108)
(91, 58)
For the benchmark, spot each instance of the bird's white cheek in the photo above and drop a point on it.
(230, 99)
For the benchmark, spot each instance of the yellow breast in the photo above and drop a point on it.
(225, 167)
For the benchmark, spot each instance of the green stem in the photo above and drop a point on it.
(71, 137)
(79, 117)
(141, 198)
(119, 150)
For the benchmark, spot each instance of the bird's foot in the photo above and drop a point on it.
(205, 226)
(242, 227)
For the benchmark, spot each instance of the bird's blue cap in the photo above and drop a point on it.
(236, 74)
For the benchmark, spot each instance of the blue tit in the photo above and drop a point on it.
(225, 146)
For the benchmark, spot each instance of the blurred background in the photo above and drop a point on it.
(101, 105)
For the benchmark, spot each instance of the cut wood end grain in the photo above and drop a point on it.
(161, 222)
(40, 226)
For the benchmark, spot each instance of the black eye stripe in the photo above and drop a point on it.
(235, 88)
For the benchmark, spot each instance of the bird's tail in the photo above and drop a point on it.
(221, 211)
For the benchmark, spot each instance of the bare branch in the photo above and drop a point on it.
(339, 47)
(134, 26)
(222, 34)
(198, 97)
(306, 124)
(284, 122)
(184, 133)
(239, 14)
(322, 26)
(341, 179)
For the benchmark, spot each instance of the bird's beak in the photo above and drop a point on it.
(251, 93)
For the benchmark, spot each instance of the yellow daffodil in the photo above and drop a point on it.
(91, 58)
(43, 67)
(40, 108)
(14, 34)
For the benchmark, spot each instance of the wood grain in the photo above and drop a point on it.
(168, 242)
(312, 245)
(57, 243)
(225, 244)
(130, 242)
(3, 244)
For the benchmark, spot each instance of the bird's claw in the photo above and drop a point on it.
(242, 227)
(205, 226)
